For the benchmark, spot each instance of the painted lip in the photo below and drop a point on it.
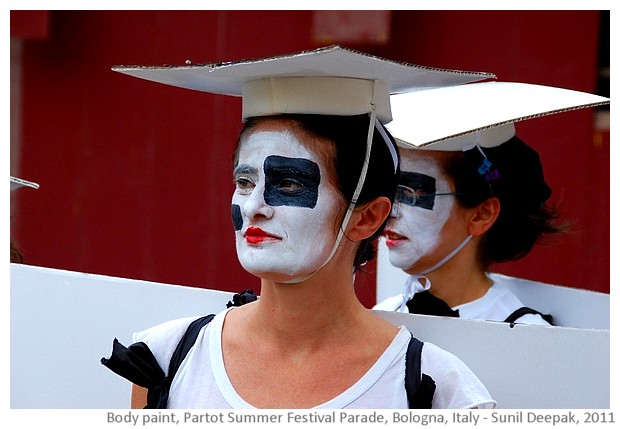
(393, 239)
(254, 235)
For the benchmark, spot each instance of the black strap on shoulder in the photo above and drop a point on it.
(420, 387)
(158, 397)
(527, 310)
(186, 343)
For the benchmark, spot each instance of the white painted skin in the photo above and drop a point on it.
(299, 239)
(416, 232)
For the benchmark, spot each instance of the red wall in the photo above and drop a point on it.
(136, 177)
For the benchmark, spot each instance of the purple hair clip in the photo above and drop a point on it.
(492, 175)
(485, 168)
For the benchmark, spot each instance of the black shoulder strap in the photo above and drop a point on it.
(527, 310)
(187, 341)
(420, 387)
(157, 397)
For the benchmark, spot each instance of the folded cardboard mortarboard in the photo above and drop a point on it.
(331, 80)
(484, 113)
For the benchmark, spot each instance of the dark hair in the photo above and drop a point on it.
(349, 135)
(516, 178)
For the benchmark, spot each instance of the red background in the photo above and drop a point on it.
(136, 177)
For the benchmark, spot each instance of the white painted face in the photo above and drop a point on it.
(415, 230)
(284, 207)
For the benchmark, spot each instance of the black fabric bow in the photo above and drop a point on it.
(137, 364)
(242, 298)
(427, 303)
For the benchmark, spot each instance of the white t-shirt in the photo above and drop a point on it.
(496, 305)
(202, 381)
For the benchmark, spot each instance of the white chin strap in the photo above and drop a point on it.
(414, 285)
(356, 194)
(373, 125)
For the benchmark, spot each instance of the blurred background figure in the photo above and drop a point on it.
(16, 183)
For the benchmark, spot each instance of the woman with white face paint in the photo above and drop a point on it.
(471, 194)
(313, 192)
(423, 221)
(280, 204)
(448, 226)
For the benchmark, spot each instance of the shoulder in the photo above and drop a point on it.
(496, 305)
(511, 303)
(457, 385)
(166, 331)
(505, 285)
(163, 338)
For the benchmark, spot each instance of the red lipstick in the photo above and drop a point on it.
(254, 235)
(393, 239)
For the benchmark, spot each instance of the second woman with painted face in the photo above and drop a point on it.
(471, 194)
(452, 221)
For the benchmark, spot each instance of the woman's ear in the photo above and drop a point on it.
(367, 219)
(483, 217)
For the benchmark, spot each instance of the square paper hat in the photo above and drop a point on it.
(332, 80)
(17, 183)
(457, 117)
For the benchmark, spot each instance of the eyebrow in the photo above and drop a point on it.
(244, 169)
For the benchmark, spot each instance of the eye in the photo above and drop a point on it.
(290, 185)
(244, 185)
(408, 192)
(407, 195)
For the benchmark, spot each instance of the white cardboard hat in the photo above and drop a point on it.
(452, 118)
(332, 80)
(17, 183)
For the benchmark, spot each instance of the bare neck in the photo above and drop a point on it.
(321, 304)
(460, 280)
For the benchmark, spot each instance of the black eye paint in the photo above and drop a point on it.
(236, 217)
(424, 187)
(291, 182)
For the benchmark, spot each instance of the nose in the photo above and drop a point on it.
(255, 207)
(395, 213)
